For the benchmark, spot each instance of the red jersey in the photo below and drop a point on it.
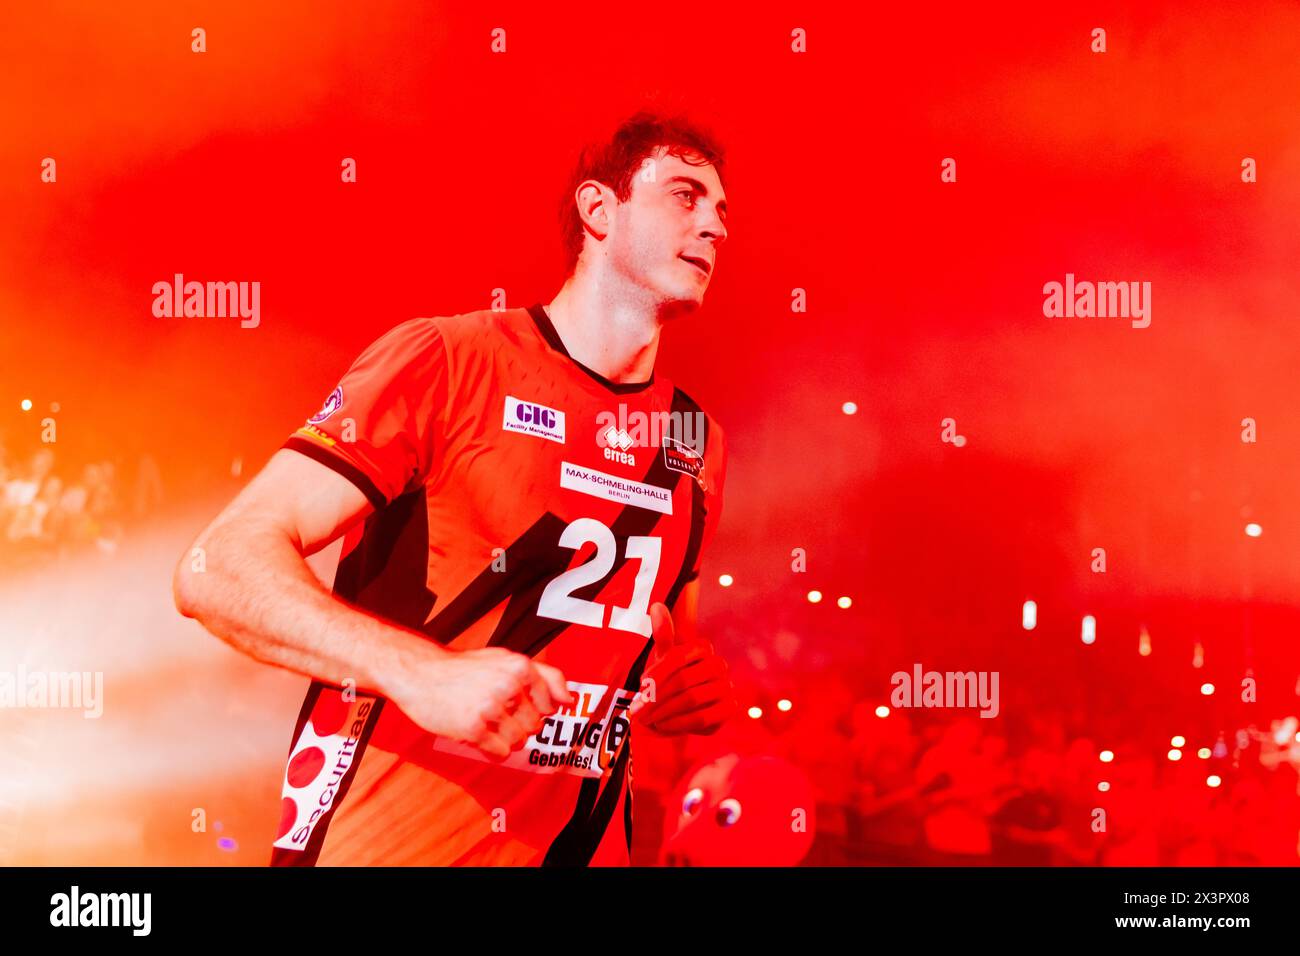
(521, 501)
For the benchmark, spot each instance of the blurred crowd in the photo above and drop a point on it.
(944, 787)
(46, 510)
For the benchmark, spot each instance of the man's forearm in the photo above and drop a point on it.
(257, 593)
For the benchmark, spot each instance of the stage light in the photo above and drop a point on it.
(1106, 756)
(1103, 786)
(882, 711)
(845, 602)
(814, 597)
(756, 712)
(27, 404)
(1254, 530)
(1175, 754)
(1029, 615)
(849, 408)
(1203, 753)
(783, 704)
(1207, 689)
(726, 580)
(1089, 633)
(1144, 643)
(1178, 741)
(1285, 731)
(1213, 780)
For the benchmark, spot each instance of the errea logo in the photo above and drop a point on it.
(617, 443)
(529, 418)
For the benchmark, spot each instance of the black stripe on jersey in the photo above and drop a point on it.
(531, 561)
(627, 816)
(345, 468)
(698, 509)
(577, 843)
(310, 852)
(387, 572)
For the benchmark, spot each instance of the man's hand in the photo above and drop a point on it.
(492, 699)
(691, 687)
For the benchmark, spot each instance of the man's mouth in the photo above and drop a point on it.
(701, 264)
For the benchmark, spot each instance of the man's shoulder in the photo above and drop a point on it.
(485, 329)
(453, 342)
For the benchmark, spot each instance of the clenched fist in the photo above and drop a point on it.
(491, 698)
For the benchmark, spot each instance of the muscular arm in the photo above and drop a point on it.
(256, 592)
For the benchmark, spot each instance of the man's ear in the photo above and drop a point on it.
(594, 199)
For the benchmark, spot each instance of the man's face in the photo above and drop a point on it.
(666, 236)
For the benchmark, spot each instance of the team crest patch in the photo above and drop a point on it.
(332, 405)
(682, 457)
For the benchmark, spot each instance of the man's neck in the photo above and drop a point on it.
(610, 332)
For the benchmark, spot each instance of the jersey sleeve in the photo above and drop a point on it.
(714, 474)
(382, 427)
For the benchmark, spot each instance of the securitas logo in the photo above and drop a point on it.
(322, 757)
(529, 418)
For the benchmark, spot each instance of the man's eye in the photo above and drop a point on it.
(688, 194)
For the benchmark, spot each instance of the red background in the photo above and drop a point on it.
(924, 302)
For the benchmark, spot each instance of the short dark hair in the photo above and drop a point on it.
(614, 162)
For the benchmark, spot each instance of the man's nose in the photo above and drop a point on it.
(714, 229)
